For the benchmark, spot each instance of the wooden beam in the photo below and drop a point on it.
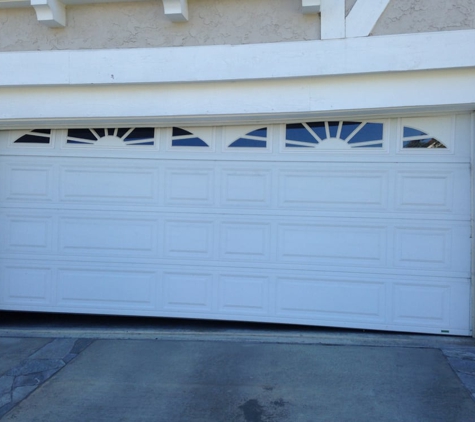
(333, 19)
(176, 10)
(310, 6)
(51, 13)
(363, 17)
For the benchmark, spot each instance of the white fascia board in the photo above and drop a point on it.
(393, 53)
(246, 101)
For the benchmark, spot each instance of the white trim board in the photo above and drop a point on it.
(394, 53)
(204, 103)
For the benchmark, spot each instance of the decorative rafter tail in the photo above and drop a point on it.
(51, 13)
(176, 10)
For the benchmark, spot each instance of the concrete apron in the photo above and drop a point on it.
(235, 374)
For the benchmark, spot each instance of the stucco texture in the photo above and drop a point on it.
(143, 24)
(410, 16)
(212, 22)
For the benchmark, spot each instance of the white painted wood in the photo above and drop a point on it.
(363, 17)
(176, 10)
(332, 19)
(243, 295)
(346, 57)
(51, 13)
(311, 6)
(448, 90)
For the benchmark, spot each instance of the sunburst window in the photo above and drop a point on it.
(116, 137)
(334, 135)
(184, 138)
(254, 139)
(415, 138)
(36, 136)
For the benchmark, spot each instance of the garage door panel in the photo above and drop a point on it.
(189, 186)
(96, 288)
(351, 189)
(378, 301)
(109, 185)
(433, 246)
(112, 236)
(436, 191)
(26, 233)
(321, 296)
(28, 182)
(245, 241)
(27, 284)
(246, 187)
(438, 303)
(270, 241)
(189, 238)
(188, 291)
(355, 244)
(415, 303)
(244, 294)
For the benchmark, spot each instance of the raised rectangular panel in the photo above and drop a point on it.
(187, 291)
(244, 241)
(243, 294)
(343, 190)
(425, 192)
(342, 244)
(246, 188)
(423, 247)
(28, 183)
(421, 304)
(89, 288)
(330, 299)
(434, 247)
(189, 186)
(108, 236)
(27, 285)
(99, 185)
(188, 239)
(27, 234)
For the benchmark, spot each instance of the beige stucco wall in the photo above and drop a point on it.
(143, 24)
(409, 16)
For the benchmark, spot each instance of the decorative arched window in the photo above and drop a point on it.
(36, 136)
(415, 138)
(184, 138)
(334, 135)
(254, 139)
(116, 137)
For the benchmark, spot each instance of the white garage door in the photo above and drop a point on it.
(345, 223)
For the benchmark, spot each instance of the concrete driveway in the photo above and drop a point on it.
(234, 375)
